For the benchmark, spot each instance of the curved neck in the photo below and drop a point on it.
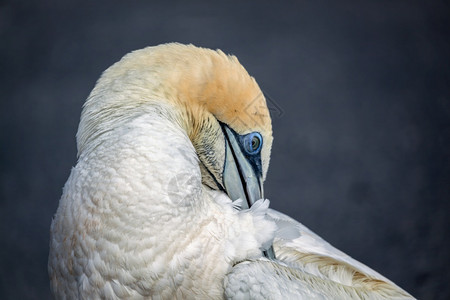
(141, 156)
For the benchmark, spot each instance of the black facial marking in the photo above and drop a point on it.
(254, 159)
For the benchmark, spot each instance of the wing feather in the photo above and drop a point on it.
(307, 267)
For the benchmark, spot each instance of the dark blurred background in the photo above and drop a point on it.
(360, 96)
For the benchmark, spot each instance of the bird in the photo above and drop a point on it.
(166, 200)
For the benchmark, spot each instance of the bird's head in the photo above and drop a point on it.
(212, 98)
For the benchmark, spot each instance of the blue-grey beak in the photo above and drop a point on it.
(240, 179)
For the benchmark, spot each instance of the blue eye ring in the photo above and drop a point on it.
(252, 143)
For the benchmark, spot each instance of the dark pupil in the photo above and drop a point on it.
(255, 143)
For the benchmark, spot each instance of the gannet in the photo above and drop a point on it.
(166, 199)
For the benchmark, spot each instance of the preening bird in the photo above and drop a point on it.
(166, 199)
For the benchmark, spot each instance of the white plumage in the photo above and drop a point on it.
(146, 212)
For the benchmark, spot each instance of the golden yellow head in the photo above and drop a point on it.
(205, 87)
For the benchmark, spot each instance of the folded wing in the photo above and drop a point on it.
(307, 267)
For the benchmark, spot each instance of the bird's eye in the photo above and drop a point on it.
(252, 143)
